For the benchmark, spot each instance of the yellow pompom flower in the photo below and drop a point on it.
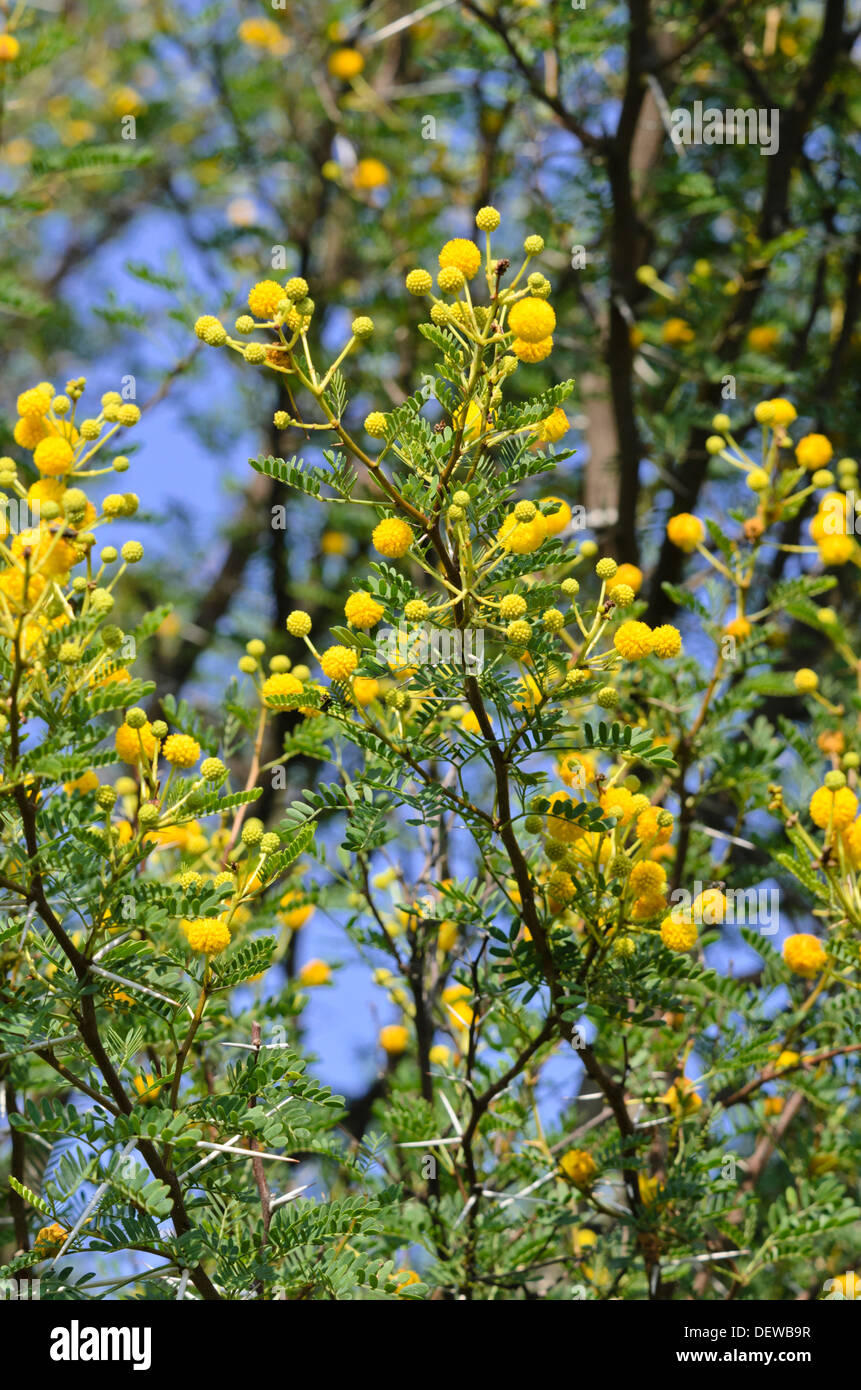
(763, 338)
(53, 456)
(559, 827)
(293, 912)
(181, 750)
(264, 298)
(678, 935)
(9, 48)
(365, 690)
(579, 1167)
(633, 640)
(394, 1039)
(804, 954)
(685, 531)
(369, 174)
(783, 412)
(29, 430)
(532, 320)
(472, 422)
(619, 803)
(838, 808)
(814, 451)
(559, 518)
(463, 255)
(666, 640)
(208, 935)
(553, 427)
(647, 878)
(339, 663)
(392, 537)
(522, 537)
(363, 611)
(282, 683)
(709, 907)
(532, 352)
(50, 1238)
(346, 63)
(682, 1098)
(676, 331)
(33, 403)
(836, 550)
(128, 742)
(146, 1087)
(315, 972)
(630, 575)
(46, 550)
(805, 680)
(651, 826)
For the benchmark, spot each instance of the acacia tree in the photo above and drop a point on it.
(559, 859)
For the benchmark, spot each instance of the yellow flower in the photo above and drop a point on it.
(264, 298)
(522, 537)
(363, 611)
(630, 575)
(553, 427)
(346, 63)
(532, 352)
(47, 550)
(579, 1167)
(783, 412)
(773, 1105)
(440, 1055)
(181, 750)
(685, 531)
(50, 1238)
(369, 174)
(293, 912)
(836, 550)
(814, 451)
(678, 935)
(838, 807)
(532, 320)
(472, 421)
(559, 827)
(339, 662)
(463, 255)
(33, 403)
(365, 690)
(709, 907)
(404, 1277)
(647, 877)
(128, 742)
(87, 782)
(392, 537)
(763, 338)
(265, 33)
(394, 1039)
(208, 935)
(675, 331)
(682, 1098)
(315, 972)
(557, 520)
(282, 683)
(146, 1087)
(738, 627)
(618, 802)
(666, 640)
(9, 48)
(53, 456)
(804, 954)
(633, 640)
